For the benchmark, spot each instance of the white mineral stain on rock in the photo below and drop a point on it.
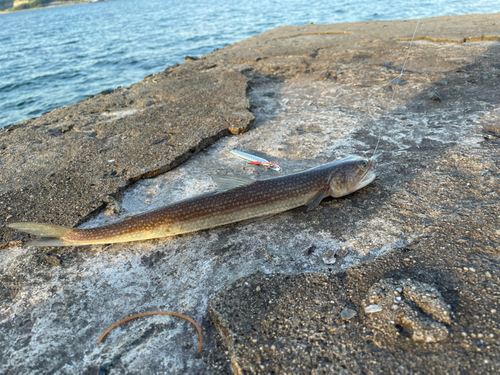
(115, 115)
(376, 233)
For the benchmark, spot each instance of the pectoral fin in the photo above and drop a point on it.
(316, 200)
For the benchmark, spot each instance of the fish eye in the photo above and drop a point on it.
(364, 163)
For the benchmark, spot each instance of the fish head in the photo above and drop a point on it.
(351, 174)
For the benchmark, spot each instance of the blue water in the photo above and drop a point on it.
(56, 56)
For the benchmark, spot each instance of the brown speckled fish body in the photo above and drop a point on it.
(253, 199)
(206, 211)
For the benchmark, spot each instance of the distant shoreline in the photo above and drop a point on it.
(54, 4)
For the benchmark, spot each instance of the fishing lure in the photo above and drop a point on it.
(252, 159)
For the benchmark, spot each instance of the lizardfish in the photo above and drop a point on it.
(237, 199)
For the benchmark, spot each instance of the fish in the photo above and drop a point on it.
(237, 199)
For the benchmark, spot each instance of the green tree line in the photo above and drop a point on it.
(9, 4)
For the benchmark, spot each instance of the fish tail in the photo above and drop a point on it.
(55, 232)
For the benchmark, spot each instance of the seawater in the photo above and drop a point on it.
(52, 57)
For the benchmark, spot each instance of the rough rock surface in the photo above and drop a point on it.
(275, 289)
(416, 308)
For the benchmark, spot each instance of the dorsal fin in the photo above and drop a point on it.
(228, 182)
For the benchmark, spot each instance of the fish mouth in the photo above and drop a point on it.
(367, 179)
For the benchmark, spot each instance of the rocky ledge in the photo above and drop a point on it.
(400, 277)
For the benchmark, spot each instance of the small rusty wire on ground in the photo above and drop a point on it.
(155, 313)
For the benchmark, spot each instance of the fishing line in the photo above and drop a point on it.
(393, 80)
